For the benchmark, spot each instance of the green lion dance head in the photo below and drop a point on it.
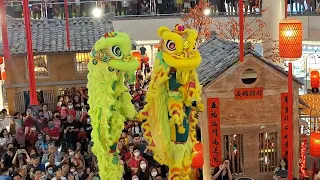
(109, 99)
(113, 51)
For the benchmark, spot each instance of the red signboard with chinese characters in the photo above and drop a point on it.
(213, 109)
(284, 125)
(248, 93)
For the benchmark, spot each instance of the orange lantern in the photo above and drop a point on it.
(137, 56)
(3, 75)
(314, 76)
(1, 60)
(315, 144)
(290, 38)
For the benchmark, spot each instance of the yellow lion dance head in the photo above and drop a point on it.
(179, 47)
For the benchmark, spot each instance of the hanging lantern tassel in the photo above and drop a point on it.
(303, 156)
(5, 41)
(66, 14)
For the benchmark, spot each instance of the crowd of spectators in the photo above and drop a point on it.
(43, 144)
(78, 8)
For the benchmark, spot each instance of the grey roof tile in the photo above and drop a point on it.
(49, 35)
(219, 54)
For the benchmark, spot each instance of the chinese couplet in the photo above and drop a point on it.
(248, 93)
(284, 125)
(213, 109)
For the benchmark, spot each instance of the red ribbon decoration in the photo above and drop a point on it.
(66, 14)
(32, 78)
(284, 125)
(241, 30)
(5, 41)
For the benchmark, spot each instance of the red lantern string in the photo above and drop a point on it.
(66, 13)
(303, 150)
(5, 41)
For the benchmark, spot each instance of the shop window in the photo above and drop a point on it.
(268, 151)
(233, 150)
(41, 69)
(249, 76)
(82, 60)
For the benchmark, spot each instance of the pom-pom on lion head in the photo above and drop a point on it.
(179, 47)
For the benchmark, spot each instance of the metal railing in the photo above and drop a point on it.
(54, 9)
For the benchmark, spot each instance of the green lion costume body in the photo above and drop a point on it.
(109, 100)
(173, 100)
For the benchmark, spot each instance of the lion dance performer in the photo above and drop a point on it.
(173, 100)
(109, 99)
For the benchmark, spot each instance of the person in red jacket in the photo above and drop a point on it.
(134, 162)
(129, 154)
(53, 131)
(71, 110)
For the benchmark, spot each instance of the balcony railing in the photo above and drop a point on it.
(54, 9)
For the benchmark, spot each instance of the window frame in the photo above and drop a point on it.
(37, 77)
(273, 153)
(75, 64)
(233, 168)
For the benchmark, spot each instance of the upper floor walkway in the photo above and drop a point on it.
(41, 9)
(137, 16)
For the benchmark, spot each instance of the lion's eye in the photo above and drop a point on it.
(116, 51)
(171, 46)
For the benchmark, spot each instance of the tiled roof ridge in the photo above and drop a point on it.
(220, 54)
(49, 35)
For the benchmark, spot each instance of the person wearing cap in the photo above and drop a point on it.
(58, 174)
(35, 163)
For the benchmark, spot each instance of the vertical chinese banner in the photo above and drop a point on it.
(213, 109)
(284, 125)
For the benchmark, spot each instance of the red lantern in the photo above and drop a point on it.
(198, 147)
(3, 75)
(290, 38)
(314, 76)
(315, 144)
(1, 60)
(197, 160)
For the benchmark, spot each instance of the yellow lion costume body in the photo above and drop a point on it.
(173, 100)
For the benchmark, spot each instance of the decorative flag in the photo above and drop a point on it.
(284, 125)
(213, 110)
